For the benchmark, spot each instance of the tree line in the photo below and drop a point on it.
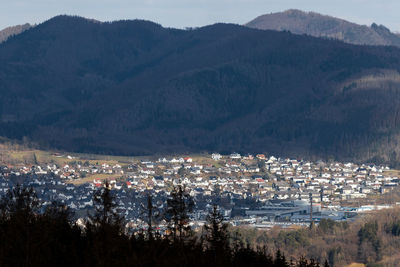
(34, 235)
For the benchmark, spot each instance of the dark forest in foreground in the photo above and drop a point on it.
(134, 87)
(33, 238)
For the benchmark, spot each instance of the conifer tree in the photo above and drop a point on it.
(151, 216)
(217, 234)
(104, 203)
(179, 205)
(105, 230)
(20, 201)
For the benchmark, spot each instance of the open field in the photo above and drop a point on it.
(392, 173)
(16, 156)
(90, 178)
(356, 265)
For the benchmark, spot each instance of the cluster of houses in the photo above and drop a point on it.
(248, 188)
(66, 171)
(265, 178)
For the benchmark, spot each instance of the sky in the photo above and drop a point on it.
(194, 13)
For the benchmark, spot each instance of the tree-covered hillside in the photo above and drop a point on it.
(134, 87)
(13, 30)
(315, 24)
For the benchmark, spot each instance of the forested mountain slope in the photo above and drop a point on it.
(314, 24)
(13, 30)
(134, 87)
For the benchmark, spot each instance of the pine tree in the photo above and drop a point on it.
(105, 227)
(150, 215)
(179, 205)
(280, 260)
(105, 205)
(217, 235)
(20, 204)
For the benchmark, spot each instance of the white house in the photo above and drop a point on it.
(216, 156)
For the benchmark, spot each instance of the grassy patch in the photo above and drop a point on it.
(90, 178)
(356, 265)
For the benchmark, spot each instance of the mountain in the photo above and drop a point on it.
(134, 87)
(14, 30)
(314, 24)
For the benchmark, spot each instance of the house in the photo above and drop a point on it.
(235, 156)
(248, 157)
(195, 170)
(260, 156)
(216, 156)
(253, 169)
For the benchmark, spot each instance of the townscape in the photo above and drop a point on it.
(206, 134)
(260, 191)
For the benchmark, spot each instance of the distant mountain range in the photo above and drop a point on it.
(314, 24)
(14, 30)
(134, 87)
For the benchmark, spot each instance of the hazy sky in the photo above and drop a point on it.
(185, 13)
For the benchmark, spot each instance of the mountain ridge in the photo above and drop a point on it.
(318, 25)
(134, 87)
(13, 30)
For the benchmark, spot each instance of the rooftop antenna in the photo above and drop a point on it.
(311, 210)
(321, 193)
(322, 203)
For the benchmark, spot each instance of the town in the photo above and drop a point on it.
(255, 190)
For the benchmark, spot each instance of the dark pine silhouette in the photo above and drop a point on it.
(31, 236)
(179, 205)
